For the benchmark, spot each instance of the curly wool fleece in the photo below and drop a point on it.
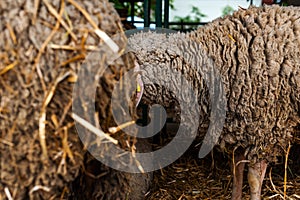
(257, 54)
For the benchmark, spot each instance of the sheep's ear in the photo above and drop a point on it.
(139, 83)
(136, 66)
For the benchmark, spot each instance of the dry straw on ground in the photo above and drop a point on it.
(210, 178)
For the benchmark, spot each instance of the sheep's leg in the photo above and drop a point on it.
(256, 174)
(238, 173)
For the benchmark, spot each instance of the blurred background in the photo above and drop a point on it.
(182, 15)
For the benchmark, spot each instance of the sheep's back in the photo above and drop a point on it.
(257, 52)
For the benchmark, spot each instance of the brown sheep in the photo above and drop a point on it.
(257, 54)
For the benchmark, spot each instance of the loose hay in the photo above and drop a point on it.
(209, 178)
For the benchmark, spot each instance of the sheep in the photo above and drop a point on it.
(256, 52)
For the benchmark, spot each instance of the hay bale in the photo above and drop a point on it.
(43, 45)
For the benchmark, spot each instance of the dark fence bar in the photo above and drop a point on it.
(158, 13)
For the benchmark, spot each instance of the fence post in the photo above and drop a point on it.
(147, 4)
(166, 13)
(158, 13)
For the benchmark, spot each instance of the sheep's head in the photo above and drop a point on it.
(175, 71)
